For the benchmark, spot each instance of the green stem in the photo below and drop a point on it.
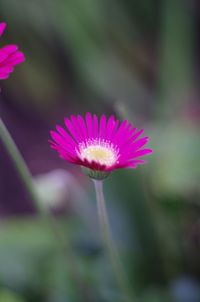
(27, 181)
(108, 241)
(20, 165)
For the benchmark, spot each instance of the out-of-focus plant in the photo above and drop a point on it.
(9, 296)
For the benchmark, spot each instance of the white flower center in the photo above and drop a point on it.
(99, 151)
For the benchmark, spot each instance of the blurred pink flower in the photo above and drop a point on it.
(100, 145)
(9, 56)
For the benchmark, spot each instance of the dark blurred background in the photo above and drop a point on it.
(138, 60)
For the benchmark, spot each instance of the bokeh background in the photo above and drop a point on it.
(138, 60)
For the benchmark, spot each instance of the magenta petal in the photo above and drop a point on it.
(120, 132)
(71, 129)
(75, 124)
(15, 58)
(115, 129)
(65, 135)
(102, 127)
(3, 56)
(10, 48)
(137, 134)
(142, 152)
(95, 123)
(6, 69)
(82, 126)
(89, 124)
(58, 139)
(2, 28)
(110, 127)
(124, 138)
(61, 146)
(134, 163)
(77, 127)
(3, 76)
(138, 144)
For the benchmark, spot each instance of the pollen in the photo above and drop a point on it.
(100, 152)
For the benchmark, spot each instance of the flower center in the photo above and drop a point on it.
(100, 152)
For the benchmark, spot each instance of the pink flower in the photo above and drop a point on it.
(100, 145)
(9, 57)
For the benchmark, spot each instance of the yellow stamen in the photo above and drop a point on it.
(101, 154)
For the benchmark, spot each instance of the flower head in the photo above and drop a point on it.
(101, 146)
(9, 56)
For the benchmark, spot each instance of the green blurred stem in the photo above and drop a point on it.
(20, 165)
(108, 241)
(27, 181)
